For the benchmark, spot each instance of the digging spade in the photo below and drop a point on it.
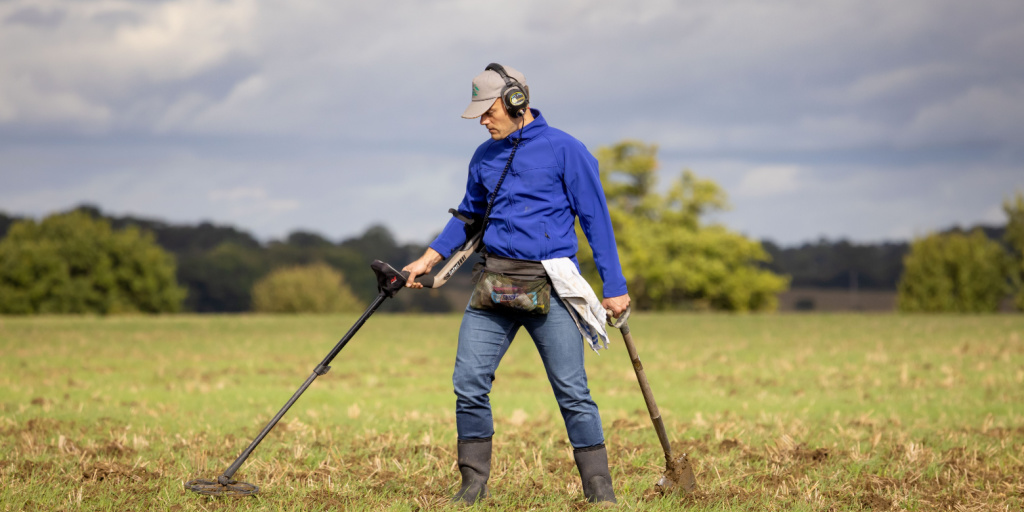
(678, 471)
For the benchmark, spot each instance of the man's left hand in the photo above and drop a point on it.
(617, 305)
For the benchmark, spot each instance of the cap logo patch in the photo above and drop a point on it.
(476, 90)
(517, 99)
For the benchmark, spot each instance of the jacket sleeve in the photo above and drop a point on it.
(473, 204)
(586, 196)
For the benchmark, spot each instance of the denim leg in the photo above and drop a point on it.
(483, 340)
(561, 349)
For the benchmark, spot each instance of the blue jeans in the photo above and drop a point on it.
(484, 338)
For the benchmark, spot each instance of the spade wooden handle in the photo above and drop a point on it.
(645, 388)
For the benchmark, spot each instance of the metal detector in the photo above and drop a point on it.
(389, 282)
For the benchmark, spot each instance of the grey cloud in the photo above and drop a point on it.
(809, 76)
(871, 204)
(117, 18)
(341, 94)
(36, 17)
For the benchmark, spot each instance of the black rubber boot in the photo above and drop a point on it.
(475, 466)
(592, 462)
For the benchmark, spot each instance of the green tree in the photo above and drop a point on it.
(72, 263)
(954, 272)
(1014, 237)
(315, 288)
(671, 259)
(220, 280)
(5, 223)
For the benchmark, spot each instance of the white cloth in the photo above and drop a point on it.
(580, 299)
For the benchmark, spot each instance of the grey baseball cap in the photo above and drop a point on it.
(487, 87)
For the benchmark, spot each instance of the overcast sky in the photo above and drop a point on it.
(864, 119)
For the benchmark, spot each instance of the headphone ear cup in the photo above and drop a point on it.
(515, 101)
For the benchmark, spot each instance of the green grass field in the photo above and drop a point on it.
(778, 412)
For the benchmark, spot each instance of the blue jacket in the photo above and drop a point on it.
(553, 179)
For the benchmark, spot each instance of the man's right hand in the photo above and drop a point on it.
(421, 266)
(616, 305)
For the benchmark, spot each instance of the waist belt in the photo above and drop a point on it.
(511, 267)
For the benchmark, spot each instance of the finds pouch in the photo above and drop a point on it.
(512, 284)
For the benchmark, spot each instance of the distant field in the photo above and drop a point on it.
(779, 412)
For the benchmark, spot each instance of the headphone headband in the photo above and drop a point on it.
(514, 95)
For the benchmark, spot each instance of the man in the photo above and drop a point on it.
(527, 185)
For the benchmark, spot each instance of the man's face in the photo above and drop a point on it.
(498, 122)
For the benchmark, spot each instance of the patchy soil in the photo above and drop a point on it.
(345, 471)
(116, 472)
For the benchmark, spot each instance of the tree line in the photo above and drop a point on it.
(849, 265)
(820, 264)
(86, 261)
(211, 268)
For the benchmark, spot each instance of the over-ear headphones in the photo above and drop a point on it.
(514, 96)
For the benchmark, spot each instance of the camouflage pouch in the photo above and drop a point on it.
(494, 290)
